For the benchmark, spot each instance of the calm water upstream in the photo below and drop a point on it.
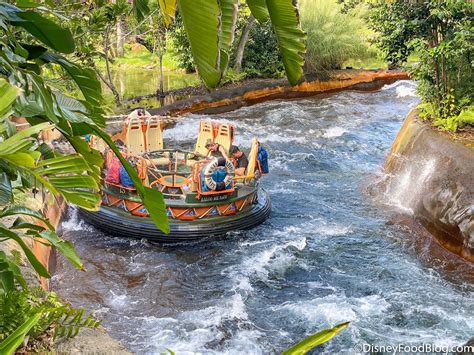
(328, 253)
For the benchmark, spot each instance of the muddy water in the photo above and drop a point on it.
(329, 253)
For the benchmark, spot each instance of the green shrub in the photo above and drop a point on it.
(231, 77)
(448, 116)
(333, 36)
(180, 47)
(440, 33)
(261, 56)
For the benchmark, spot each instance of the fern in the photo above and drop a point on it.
(17, 306)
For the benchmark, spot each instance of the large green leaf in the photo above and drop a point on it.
(37, 265)
(314, 340)
(26, 160)
(15, 339)
(259, 10)
(152, 199)
(72, 163)
(48, 32)
(13, 210)
(9, 272)
(64, 246)
(92, 156)
(140, 9)
(291, 39)
(229, 12)
(6, 193)
(64, 175)
(8, 94)
(86, 80)
(201, 22)
(22, 139)
(168, 11)
(44, 97)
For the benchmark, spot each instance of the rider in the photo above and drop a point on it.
(240, 160)
(215, 150)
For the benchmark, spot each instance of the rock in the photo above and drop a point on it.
(90, 341)
(431, 175)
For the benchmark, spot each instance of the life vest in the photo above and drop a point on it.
(217, 175)
(262, 157)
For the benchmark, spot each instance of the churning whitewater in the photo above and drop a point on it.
(330, 251)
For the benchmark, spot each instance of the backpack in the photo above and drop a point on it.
(262, 160)
(125, 178)
(113, 170)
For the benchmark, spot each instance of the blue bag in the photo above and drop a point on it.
(263, 159)
(125, 178)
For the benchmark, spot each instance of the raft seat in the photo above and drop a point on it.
(153, 135)
(205, 133)
(252, 158)
(134, 139)
(97, 143)
(224, 137)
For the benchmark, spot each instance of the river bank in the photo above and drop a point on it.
(235, 96)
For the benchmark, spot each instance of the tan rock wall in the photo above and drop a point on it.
(432, 175)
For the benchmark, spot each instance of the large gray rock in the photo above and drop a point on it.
(431, 176)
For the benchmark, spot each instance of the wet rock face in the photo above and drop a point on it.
(431, 176)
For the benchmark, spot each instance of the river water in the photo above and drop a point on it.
(330, 252)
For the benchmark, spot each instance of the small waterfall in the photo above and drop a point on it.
(405, 188)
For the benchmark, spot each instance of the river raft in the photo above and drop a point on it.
(203, 195)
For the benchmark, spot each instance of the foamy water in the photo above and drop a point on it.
(327, 254)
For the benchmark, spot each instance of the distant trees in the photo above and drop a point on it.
(441, 34)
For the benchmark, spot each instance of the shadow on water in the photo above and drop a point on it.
(331, 251)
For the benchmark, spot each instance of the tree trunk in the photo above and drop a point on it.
(120, 37)
(243, 41)
(161, 48)
(444, 73)
(110, 83)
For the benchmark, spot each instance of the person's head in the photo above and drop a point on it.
(141, 112)
(210, 145)
(132, 161)
(235, 151)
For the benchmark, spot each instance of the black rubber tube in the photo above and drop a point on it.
(117, 222)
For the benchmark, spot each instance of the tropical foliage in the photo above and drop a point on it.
(441, 33)
(34, 311)
(32, 41)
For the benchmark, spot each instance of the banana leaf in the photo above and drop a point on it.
(291, 39)
(259, 10)
(201, 22)
(168, 10)
(314, 340)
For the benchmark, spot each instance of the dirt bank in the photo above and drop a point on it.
(251, 92)
(430, 173)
